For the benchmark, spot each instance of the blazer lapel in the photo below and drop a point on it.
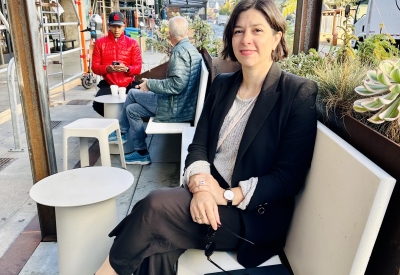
(227, 95)
(265, 102)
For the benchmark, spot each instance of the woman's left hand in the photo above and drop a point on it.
(204, 210)
(205, 182)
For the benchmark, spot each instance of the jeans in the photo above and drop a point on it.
(137, 105)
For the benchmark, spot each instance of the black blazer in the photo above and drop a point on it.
(277, 147)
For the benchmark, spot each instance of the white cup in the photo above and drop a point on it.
(114, 90)
(122, 92)
(122, 96)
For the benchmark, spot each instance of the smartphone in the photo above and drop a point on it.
(115, 63)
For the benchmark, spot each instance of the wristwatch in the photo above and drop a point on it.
(127, 69)
(229, 195)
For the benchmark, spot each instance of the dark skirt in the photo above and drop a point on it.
(160, 228)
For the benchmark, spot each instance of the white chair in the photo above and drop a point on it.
(336, 219)
(176, 128)
(98, 128)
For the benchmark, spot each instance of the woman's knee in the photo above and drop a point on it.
(167, 197)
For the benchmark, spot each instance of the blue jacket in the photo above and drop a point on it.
(177, 93)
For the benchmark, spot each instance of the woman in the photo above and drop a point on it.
(249, 157)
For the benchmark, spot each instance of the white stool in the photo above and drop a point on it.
(98, 128)
(86, 211)
(112, 109)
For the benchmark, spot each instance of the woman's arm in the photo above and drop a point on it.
(293, 157)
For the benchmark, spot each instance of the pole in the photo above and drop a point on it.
(82, 38)
(308, 21)
(34, 99)
(12, 93)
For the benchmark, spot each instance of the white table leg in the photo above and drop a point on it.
(82, 236)
(113, 110)
(121, 148)
(105, 152)
(84, 151)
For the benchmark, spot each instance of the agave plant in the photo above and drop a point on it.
(383, 88)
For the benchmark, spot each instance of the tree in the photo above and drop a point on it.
(289, 7)
(227, 8)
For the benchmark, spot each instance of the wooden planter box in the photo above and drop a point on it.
(385, 258)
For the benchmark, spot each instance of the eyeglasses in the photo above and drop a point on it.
(210, 247)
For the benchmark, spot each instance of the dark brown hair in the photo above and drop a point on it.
(272, 15)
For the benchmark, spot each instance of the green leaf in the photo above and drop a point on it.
(387, 99)
(376, 119)
(386, 66)
(361, 90)
(397, 64)
(373, 104)
(358, 107)
(391, 113)
(375, 87)
(395, 88)
(395, 74)
(383, 78)
(372, 75)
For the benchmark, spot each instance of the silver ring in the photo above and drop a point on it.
(202, 182)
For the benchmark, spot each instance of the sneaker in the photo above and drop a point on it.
(136, 158)
(113, 139)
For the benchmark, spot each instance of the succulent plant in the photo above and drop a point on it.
(382, 88)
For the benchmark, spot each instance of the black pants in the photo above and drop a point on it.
(104, 89)
(159, 229)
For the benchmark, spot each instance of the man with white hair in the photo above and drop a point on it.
(172, 99)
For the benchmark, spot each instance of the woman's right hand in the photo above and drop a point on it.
(204, 209)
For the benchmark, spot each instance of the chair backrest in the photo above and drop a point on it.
(339, 213)
(202, 92)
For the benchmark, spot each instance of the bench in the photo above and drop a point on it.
(57, 35)
(176, 128)
(336, 220)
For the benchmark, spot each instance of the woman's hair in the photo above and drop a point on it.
(273, 17)
(178, 27)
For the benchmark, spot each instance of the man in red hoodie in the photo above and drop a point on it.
(117, 58)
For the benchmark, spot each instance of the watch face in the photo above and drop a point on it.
(228, 194)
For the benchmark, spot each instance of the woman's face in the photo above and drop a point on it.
(253, 40)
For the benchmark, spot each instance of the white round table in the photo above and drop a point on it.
(112, 105)
(113, 109)
(86, 212)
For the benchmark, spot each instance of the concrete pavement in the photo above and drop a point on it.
(19, 232)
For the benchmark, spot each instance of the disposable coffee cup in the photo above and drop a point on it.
(114, 90)
(122, 92)
(122, 95)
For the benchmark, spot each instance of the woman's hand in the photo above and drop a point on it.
(205, 182)
(204, 210)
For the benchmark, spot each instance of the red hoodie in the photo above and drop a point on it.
(126, 50)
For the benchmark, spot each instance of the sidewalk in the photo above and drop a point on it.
(20, 250)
